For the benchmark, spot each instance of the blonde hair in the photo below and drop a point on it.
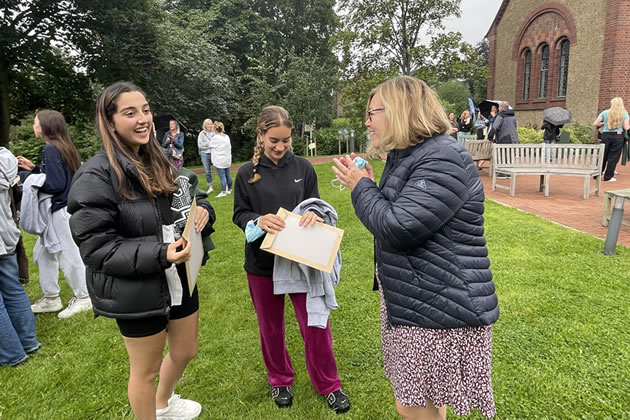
(616, 113)
(205, 122)
(218, 127)
(176, 126)
(154, 168)
(413, 113)
(464, 115)
(270, 117)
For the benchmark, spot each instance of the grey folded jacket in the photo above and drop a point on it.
(36, 213)
(293, 277)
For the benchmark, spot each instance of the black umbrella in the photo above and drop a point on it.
(557, 115)
(486, 106)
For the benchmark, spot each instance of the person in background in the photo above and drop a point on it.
(60, 160)
(17, 322)
(222, 158)
(121, 203)
(452, 119)
(465, 123)
(504, 125)
(173, 144)
(551, 133)
(438, 301)
(203, 144)
(481, 125)
(275, 178)
(494, 111)
(615, 125)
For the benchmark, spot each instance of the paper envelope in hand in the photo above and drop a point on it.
(193, 265)
(315, 246)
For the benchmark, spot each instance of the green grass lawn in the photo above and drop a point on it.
(561, 345)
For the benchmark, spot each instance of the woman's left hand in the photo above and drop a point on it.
(309, 219)
(347, 172)
(201, 218)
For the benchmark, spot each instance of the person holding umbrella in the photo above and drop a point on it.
(553, 120)
(615, 123)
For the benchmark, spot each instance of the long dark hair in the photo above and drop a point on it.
(55, 132)
(154, 169)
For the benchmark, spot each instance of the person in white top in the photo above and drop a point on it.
(203, 143)
(222, 158)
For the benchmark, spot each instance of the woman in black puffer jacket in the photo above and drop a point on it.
(438, 300)
(121, 205)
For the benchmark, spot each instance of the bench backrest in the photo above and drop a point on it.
(463, 138)
(479, 149)
(548, 156)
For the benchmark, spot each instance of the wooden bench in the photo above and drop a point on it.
(480, 150)
(463, 138)
(609, 197)
(584, 160)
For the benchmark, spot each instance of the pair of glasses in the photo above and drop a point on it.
(371, 112)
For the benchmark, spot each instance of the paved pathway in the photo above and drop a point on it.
(564, 205)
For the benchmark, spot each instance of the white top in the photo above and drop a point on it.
(221, 151)
(203, 141)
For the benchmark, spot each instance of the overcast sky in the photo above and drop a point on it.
(477, 16)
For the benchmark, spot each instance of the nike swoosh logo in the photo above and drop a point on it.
(297, 180)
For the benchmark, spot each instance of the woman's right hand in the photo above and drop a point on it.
(271, 223)
(178, 257)
(25, 163)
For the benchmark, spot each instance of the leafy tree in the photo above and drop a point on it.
(27, 30)
(355, 92)
(53, 83)
(454, 93)
(390, 30)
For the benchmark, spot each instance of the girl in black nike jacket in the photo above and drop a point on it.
(277, 178)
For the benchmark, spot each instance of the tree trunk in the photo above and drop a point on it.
(5, 119)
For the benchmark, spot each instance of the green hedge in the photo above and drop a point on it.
(580, 134)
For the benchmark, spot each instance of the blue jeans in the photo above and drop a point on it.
(17, 322)
(225, 177)
(207, 166)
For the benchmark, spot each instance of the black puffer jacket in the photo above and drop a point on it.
(120, 240)
(427, 220)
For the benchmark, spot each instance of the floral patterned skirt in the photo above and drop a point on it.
(179, 163)
(449, 367)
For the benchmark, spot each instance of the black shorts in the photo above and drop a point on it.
(145, 327)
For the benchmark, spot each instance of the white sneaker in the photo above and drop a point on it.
(210, 189)
(229, 191)
(222, 194)
(179, 409)
(47, 305)
(75, 306)
(611, 180)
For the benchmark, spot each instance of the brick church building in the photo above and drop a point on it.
(569, 53)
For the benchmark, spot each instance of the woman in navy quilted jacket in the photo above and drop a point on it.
(438, 300)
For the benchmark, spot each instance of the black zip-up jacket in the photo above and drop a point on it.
(286, 185)
(121, 241)
(427, 220)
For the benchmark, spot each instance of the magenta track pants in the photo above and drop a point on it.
(320, 359)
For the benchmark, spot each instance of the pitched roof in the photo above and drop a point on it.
(499, 15)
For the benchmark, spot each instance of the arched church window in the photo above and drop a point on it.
(544, 71)
(527, 74)
(563, 73)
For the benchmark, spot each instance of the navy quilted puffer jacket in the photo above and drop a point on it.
(427, 220)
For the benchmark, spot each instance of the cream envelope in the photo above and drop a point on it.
(315, 246)
(193, 265)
